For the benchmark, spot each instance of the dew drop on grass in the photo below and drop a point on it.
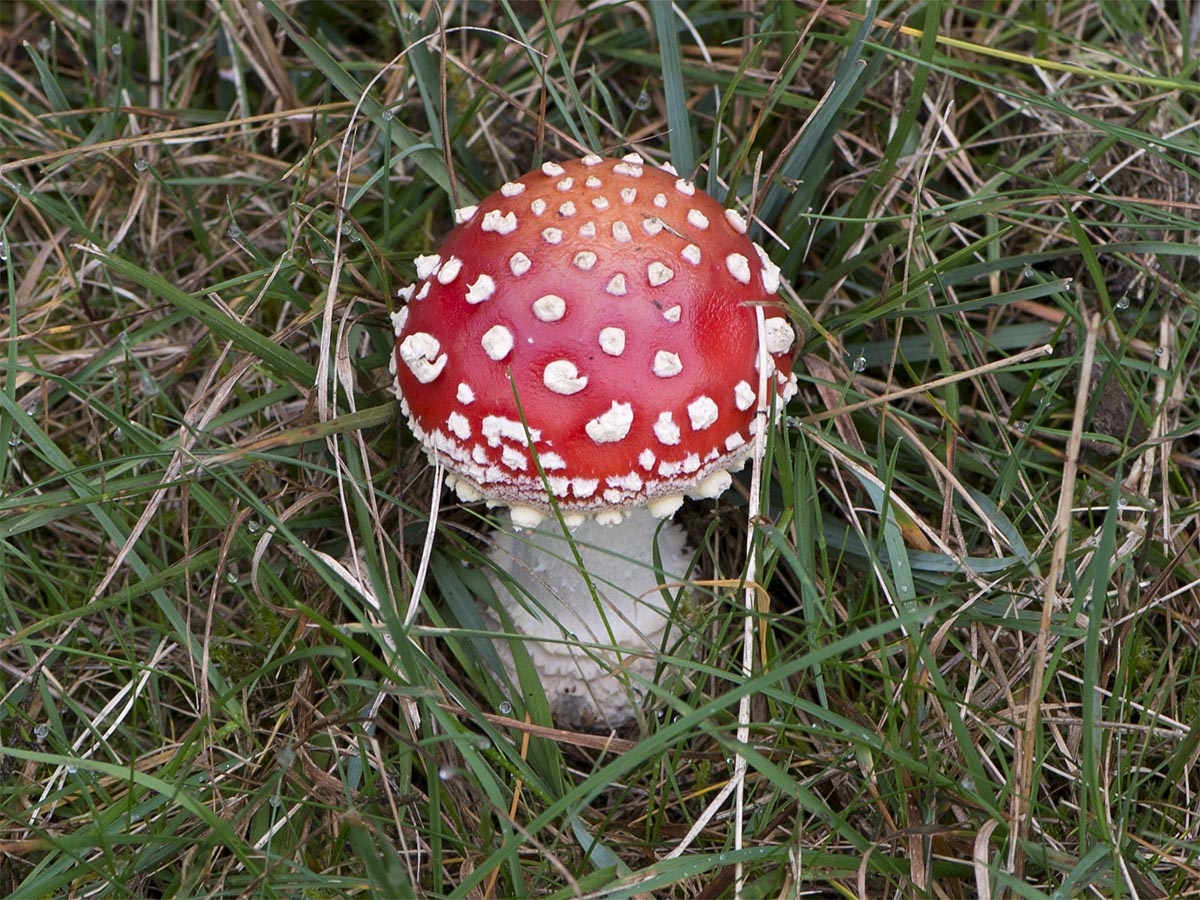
(1158, 351)
(41, 731)
(141, 164)
(1123, 301)
(275, 802)
(231, 578)
(119, 434)
(252, 526)
(483, 744)
(643, 101)
(14, 440)
(116, 50)
(1021, 426)
(388, 115)
(860, 364)
(149, 385)
(71, 769)
(1029, 272)
(123, 337)
(3, 250)
(234, 232)
(44, 44)
(445, 773)
(505, 708)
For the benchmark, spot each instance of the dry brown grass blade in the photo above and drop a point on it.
(1021, 821)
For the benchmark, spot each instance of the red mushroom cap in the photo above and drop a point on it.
(620, 301)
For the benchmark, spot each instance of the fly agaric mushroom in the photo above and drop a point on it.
(591, 329)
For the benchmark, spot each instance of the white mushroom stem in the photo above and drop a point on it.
(591, 656)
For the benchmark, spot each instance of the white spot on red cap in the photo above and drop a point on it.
(553, 169)
(512, 188)
(584, 487)
(584, 260)
(405, 293)
(633, 159)
(497, 342)
(424, 291)
(744, 396)
(612, 425)
(627, 169)
(779, 334)
(770, 271)
(500, 428)
(646, 459)
(592, 182)
(423, 355)
(685, 187)
(549, 308)
(399, 320)
(616, 286)
(691, 253)
(465, 395)
(562, 376)
(427, 265)
(459, 426)
(566, 209)
(697, 219)
(449, 270)
(736, 219)
(630, 481)
(666, 364)
(658, 274)
(672, 313)
(483, 288)
(566, 184)
(513, 458)
(733, 441)
(552, 462)
(587, 229)
(612, 340)
(552, 235)
(592, 160)
(465, 214)
(739, 267)
(652, 225)
(501, 223)
(600, 202)
(538, 206)
(702, 412)
(666, 430)
(628, 195)
(620, 233)
(519, 264)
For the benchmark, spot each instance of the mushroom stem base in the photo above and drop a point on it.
(591, 657)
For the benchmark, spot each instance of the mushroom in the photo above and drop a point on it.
(586, 339)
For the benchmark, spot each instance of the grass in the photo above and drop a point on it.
(976, 667)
